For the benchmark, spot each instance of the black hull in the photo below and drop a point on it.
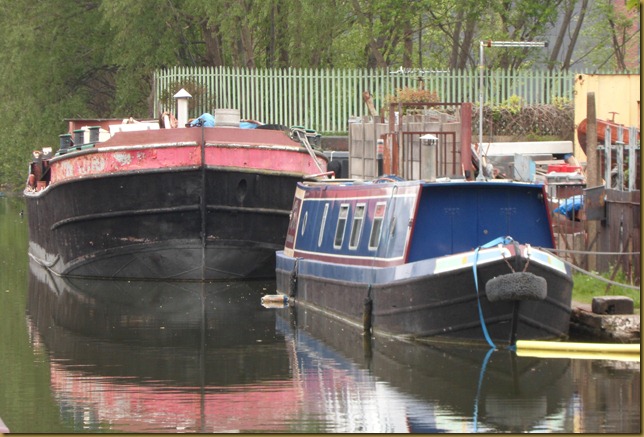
(435, 308)
(186, 224)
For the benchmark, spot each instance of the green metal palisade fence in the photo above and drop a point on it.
(325, 99)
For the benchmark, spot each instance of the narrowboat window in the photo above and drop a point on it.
(341, 226)
(304, 220)
(323, 224)
(376, 229)
(356, 227)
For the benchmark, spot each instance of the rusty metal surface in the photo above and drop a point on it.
(594, 203)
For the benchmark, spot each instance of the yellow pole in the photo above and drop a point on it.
(536, 353)
(554, 349)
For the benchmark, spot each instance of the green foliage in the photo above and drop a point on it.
(96, 58)
(196, 90)
(412, 95)
(560, 102)
(528, 122)
(586, 288)
(513, 105)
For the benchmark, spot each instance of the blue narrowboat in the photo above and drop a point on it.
(457, 261)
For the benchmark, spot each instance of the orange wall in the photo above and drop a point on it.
(618, 93)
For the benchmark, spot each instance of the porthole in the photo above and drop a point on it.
(304, 220)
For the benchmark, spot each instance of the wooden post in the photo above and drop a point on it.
(593, 178)
(466, 141)
(366, 96)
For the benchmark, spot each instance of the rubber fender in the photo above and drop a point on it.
(335, 167)
(516, 287)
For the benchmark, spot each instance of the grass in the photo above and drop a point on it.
(587, 287)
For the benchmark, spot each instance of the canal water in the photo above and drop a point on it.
(87, 356)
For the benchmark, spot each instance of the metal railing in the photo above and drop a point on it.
(325, 99)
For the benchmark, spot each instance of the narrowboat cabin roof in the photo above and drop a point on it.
(392, 223)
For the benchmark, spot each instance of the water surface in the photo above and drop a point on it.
(118, 356)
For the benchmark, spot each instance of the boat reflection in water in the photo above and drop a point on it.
(396, 386)
(166, 357)
(156, 357)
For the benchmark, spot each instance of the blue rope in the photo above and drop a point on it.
(478, 389)
(496, 241)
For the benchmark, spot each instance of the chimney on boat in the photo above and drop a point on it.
(65, 141)
(79, 137)
(182, 107)
(94, 134)
(428, 143)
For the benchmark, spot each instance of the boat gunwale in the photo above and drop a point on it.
(422, 267)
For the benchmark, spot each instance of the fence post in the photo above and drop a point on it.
(608, 158)
(592, 172)
(620, 158)
(632, 157)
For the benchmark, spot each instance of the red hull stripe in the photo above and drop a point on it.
(113, 160)
(367, 191)
(271, 158)
(97, 162)
(365, 261)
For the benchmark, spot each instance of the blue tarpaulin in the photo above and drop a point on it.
(204, 119)
(571, 205)
(207, 120)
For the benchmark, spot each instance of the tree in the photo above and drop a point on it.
(96, 58)
(522, 20)
(568, 18)
(387, 24)
(53, 67)
(607, 36)
(459, 22)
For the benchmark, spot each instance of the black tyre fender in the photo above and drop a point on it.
(335, 167)
(516, 287)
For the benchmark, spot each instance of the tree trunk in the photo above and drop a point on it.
(456, 41)
(466, 45)
(565, 24)
(408, 44)
(617, 47)
(212, 54)
(374, 49)
(575, 35)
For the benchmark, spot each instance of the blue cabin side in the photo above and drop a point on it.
(360, 224)
(389, 224)
(459, 217)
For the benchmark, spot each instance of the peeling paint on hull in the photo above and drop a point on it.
(184, 210)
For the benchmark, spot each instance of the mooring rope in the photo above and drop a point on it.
(496, 241)
(591, 274)
(586, 252)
